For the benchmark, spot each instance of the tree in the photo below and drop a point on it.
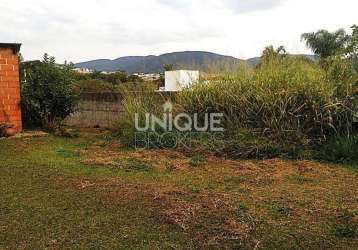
(116, 78)
(326, 44)
(96, 75)
(134, 79)
(47, 93)
(352, 48)
(272, 55)
(338, 44)
(168, 67)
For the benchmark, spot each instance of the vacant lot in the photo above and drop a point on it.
(89, 193)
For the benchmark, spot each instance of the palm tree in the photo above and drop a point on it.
(168, 67)
(271, 55)
(326, 44)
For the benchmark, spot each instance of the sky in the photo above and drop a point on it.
(81, 30)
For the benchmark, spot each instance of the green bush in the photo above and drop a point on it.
(345, 231)
(93, 86)
(114, 79)
(197, 160)
(339, 150)
(47, 95)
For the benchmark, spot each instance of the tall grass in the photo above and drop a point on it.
(276, 108)
(139, 99)
(292, 100)
(339, 150)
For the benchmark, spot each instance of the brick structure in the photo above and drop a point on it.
(10, 111)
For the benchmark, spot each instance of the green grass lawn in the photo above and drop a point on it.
(89, 193)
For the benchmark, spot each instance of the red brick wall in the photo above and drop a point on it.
(10, 111)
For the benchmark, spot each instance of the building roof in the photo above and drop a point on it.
(14, 46)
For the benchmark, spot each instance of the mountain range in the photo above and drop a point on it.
(198, 60)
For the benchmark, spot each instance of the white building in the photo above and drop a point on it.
(148, 77)
(177, 80)
(83, 70)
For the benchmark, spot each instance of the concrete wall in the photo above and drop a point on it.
(96, 109)
(10, 110)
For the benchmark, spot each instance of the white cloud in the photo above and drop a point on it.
(251, 5)
(237, 6)
(90, 29)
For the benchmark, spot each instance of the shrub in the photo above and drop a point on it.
(197, 160)
(114, 79)
(345, 231)
(47, 95)
(93, 86)
(339, 150)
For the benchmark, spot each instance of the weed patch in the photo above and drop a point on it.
(197, 161)
(67, 153)
(345, 230)
(133, 164)
(340, 150)
(279, 209)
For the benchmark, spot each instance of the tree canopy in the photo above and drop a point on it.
(324, 43)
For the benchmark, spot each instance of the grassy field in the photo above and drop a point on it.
(89, 192)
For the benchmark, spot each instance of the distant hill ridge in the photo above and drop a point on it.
(199, 60)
